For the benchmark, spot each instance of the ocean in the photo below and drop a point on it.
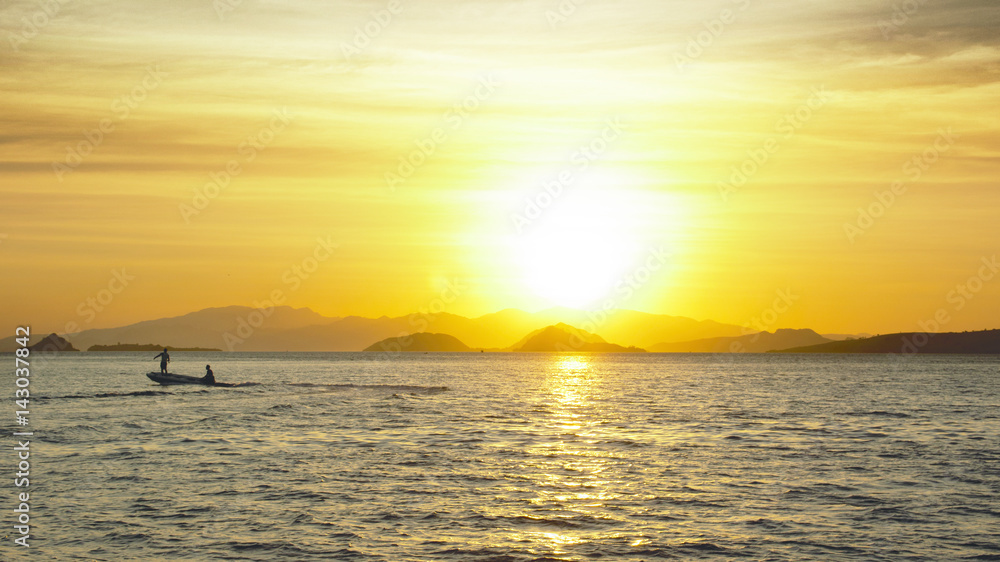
(511, 457)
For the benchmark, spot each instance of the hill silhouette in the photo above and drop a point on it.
(984, 342)
(563, 337)
(752, 343)
(52, 342)
(421, 341)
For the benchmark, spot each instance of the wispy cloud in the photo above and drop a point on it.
(897, 72)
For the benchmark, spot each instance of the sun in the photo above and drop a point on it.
(580, 248)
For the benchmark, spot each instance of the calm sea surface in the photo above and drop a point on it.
(511, 457)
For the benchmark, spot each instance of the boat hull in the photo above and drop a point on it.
(171, 378)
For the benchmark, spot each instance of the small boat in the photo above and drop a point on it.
(171, 378)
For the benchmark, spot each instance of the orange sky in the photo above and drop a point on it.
(199, 151)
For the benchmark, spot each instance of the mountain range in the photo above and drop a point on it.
(239, 328)
(752, 343)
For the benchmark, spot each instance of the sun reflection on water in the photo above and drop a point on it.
(569, 381)
(573, 470)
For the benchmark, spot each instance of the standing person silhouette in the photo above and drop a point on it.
(164, 359)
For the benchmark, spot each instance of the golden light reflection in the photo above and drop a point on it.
(570, 382)
(573, 471)
(575, 365)
(555, 541)
(574, 481)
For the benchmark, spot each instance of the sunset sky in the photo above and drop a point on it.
(704, 155)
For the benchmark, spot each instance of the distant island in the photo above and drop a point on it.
(52, 343)
(563, 337)
(145, 347)
(984, 342)
(421, 341)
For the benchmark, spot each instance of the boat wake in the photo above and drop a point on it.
(309, 388)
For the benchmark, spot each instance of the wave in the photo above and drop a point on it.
(572, 522)
(382, 388)
(877, 414)
(106, 395)
(388, 388)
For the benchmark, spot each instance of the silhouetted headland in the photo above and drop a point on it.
(985, 342)
(52, 343)
(145, 347)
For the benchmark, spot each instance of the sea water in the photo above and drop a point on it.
(510, 457)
